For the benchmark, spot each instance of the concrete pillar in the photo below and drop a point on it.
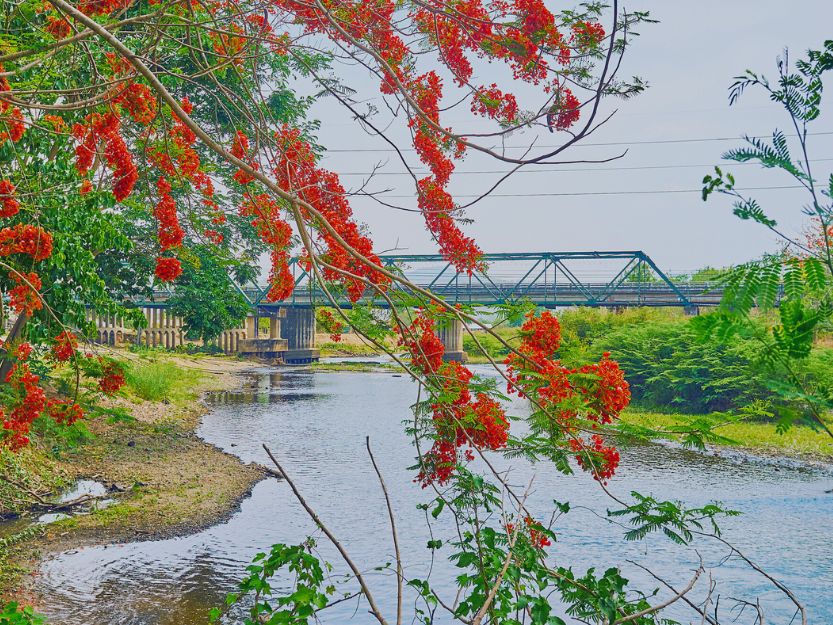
(251, 327)
(450, 332)
(692, 311)
(298, 328)
(274, 328)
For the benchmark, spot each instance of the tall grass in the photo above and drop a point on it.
(159, 380)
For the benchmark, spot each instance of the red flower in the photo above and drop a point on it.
(63, 412)
(168, 268)
(112, 378)
(26, 239)
(170, 233)
(23, 297)
(9, 206)
(105, 129)
(64, 346)
(565, 112)
(588, 34)
(58, 27)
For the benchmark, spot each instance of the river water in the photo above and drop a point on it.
(316, 423)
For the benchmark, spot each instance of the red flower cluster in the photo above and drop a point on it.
(240, 149)
(64, 346)
(601, 387)
(102, 7)
(139, 102)
(330, 324)
(9, 206)
(277, 233)
(212, 235)
(64, 412)
(461, 418)
(26, 239)
(565, 111)
(11, 116)
(25, 298)
(492, 102)
(104, 128)
(588, 34)
(596, 457)
(182, 164)
(58, 27)
(170, 232)
(228, 45)
(112, 378)
(434, 200)
(295, 170)
(537, 538)
(29, 402)
(517, 32)
(425, 347)
(168, 268)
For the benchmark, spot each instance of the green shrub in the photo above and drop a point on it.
(670, 365)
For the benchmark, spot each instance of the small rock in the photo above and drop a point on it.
(131, 444)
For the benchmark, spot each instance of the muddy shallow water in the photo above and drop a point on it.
(316, 423)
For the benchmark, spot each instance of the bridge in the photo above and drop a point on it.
(549, 279)
(609, 279)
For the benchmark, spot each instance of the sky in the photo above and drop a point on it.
(689, 59)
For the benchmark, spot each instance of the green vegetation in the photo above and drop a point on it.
(679, 377)
(205, 298)
(753, 435)
(496, 350)
(347, 349)
(160, 380)
(355, 366)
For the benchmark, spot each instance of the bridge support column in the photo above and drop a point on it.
(692, 311)
(450, 332)
(271, 347)
(274, 327)
(298, 328)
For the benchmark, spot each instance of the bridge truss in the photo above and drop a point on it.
(609, 279)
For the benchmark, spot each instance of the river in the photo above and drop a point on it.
(316, 423)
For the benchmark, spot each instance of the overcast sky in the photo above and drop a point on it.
(689, 59)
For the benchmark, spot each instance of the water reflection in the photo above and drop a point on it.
(316, 423)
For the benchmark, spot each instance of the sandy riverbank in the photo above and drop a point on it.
(164, 479)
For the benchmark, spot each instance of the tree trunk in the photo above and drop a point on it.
(15, 333)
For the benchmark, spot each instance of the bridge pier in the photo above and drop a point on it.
(298, 328)
(692, 311)
(450, 332)
(269, 347)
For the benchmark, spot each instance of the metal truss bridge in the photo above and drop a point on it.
(550, 279)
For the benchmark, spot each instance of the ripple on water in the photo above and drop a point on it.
(316, 423)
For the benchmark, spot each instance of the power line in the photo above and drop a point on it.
(582, 144)
(579, 193)
(560, 170)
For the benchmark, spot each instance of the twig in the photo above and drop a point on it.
(393, 533)
(374, 608)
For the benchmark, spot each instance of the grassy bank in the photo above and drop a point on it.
(141, 444)
(800, 441)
